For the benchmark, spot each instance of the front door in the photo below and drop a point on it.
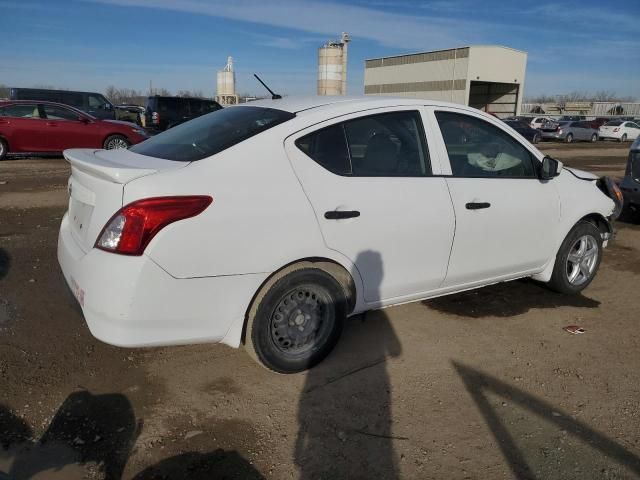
(506, 218)
(369, 180)
(68, 131)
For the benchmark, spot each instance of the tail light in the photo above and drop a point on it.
(155, 118)
(131, 229)
(616, 129)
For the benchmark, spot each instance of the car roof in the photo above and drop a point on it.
(297, 104)
(43, 102)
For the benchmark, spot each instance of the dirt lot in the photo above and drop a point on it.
(483, 384)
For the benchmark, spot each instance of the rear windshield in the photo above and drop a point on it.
(614, 123)
(211, 133)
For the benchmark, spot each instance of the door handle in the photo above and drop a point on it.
(52, 124)
(341, 214)
(477, 205)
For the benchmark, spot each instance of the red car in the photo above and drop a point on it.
(47, 127)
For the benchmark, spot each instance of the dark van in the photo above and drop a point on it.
(166, 112)
(94, 104)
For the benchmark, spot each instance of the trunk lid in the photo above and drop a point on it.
(97, 183)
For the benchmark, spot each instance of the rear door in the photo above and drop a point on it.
(24, 128)
(506, 217)
(370, 181)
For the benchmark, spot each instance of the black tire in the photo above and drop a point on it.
(4, 149)
(560, 279)
(623, 138)
(536, 138)
(116, 141)
(306, 295)
(569, 138)
(594, 138)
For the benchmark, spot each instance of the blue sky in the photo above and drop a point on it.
(579, 45)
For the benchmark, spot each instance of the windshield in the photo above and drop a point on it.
(211, 133)
(615, 123)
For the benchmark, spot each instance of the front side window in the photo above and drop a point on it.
(478, 149)
(26, 110)
(211, 133)
(58, 113)
(97, 102)
(383, 145)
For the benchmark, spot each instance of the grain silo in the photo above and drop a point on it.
(332, 67)
(226, 85)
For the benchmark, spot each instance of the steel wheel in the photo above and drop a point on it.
(582, 260)
(3, 149)
(536, 138)
(594, 138)
(301, 320)
(569, 138)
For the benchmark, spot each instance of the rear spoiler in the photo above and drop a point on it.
(116, 166)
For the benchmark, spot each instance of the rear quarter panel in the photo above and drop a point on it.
(260, 218)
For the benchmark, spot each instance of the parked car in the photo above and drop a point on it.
(570, 132)
(531, 134)
(598, 122)
(268, 223)
(130, 113)
(630, 184)
(572, 118)
(538, 122)
(619, 130)
(95, 104)
(162, 113)
(46, 127)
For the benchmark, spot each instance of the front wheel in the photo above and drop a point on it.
(536, 138)
(114, 142)
(296, 323)
(578, 259)
(594, 138)
(569, 138)
(3, 149)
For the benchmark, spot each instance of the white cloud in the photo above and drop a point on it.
(327, 18)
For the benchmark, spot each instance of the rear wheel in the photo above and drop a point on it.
(296, 323)
(114, 142)
(4, 148)
(578, 259)
(594, 138)
(536, 138)
(569, 138)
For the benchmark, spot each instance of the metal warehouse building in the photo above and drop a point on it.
(487, 77)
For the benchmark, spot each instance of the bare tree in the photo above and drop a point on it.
(4, 91)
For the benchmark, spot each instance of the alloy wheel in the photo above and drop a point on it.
(582, 260)
(116, 143)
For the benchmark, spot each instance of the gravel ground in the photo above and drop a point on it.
(484, 384)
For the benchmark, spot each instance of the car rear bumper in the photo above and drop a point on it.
(552, 135)
(130, 301)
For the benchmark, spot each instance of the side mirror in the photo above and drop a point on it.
(551, 168)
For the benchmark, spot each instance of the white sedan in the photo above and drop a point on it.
(619, 130)
(267, 224)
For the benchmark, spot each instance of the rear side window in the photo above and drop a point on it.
(20, 111)
(478, 149)
(383, 145)
(73, 99)
(211, 133)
